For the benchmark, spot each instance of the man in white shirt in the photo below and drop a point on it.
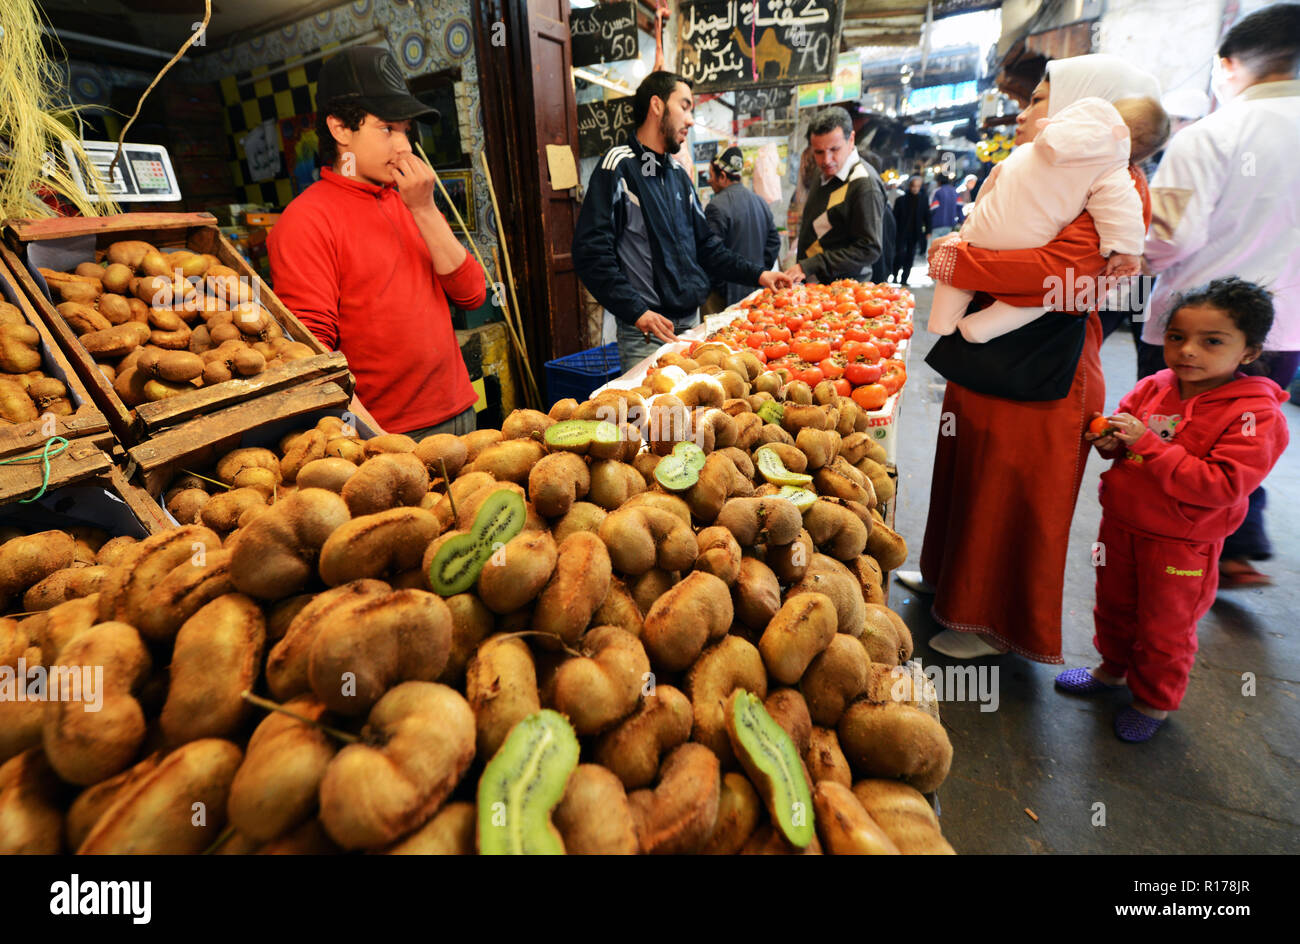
(1226, 201)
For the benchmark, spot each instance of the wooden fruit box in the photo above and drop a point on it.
(195, 445)
(102, 500)
(86, 420)
(82, 469)
(84, 239)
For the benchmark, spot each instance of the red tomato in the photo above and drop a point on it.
(812, 350)
(843, 388)
(861, 351)
(870, 397)
(812, 376)
(775, 350)
(893, 376)
(1099, 426)
(862, 374)
(832, 367)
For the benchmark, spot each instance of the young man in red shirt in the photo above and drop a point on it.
(367, 261)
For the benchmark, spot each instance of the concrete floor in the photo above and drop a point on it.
(1219, 777)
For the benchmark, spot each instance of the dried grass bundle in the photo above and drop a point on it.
(34, 123)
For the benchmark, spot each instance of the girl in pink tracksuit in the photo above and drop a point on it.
(1190, 443)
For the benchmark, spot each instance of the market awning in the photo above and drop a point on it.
(895, 23)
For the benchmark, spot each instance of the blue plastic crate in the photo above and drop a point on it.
(576, 375)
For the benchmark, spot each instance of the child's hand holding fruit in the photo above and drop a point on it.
(1108, 432)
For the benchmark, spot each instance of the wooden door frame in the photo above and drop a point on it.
(506, 96)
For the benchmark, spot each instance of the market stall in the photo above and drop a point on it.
(693, 612)
(651, 620)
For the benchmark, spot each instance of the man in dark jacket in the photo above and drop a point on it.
(912, 221)
(883, 265)
(742, 219)
(840, 233)
(944, 213)
(642, 245)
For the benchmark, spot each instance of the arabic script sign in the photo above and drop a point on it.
(730, 44)
(603, 33)
(601, 125)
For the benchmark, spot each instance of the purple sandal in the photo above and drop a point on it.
(1133, 726)
(1081, 682)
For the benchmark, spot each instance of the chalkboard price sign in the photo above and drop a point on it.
(756, 101)
(603, 33)
(601, 125)
(729, 44)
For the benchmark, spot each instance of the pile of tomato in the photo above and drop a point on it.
(846, 333)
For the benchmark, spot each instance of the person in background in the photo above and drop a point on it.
(945, 216)
(893, 190)
(642, 246)
(841, 230)
(1185, 106)
(742, 220)
(966, 193)
(366, 260)
(912, 221)
(882, 267)
(1184, 462)
(1225, 201)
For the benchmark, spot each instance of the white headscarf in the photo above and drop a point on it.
(1099, 75)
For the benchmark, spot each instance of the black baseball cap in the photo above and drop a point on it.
(370, 77)
(731, 161)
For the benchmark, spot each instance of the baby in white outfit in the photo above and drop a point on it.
(1079, 160)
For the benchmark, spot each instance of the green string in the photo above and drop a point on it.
(45, 455)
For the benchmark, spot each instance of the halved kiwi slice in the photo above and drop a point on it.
(771, 467)
(803, 498)
(769, 412)
(456, 566)
(580, 435)
(773, 764)
(680, 469)
(522, 783)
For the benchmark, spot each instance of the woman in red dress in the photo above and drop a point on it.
(1005, 485)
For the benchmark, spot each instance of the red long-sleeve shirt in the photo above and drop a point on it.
(348, 259)
(1189, 475)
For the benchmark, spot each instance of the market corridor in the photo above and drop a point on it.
(1221, 778)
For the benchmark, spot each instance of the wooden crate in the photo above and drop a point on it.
(82, 459)
(192, 446)
(167, 231)
(86, 419)
(103, 500)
